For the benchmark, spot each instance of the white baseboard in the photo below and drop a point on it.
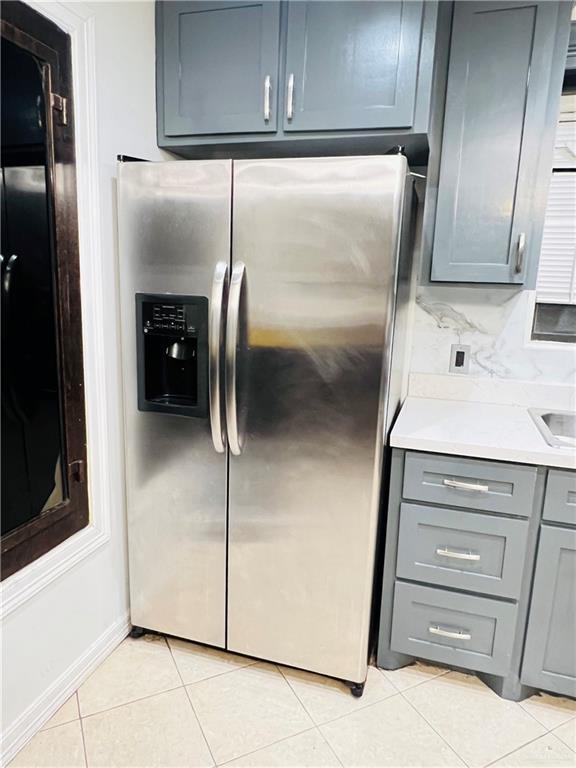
(41, 710)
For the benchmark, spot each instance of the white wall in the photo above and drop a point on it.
(64, 612)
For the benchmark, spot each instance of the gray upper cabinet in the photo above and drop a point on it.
(550, 651)
(351, 65)
(499, 81)
(268, 77)
(220, 66)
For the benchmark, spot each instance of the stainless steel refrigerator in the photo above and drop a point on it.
(268, 292)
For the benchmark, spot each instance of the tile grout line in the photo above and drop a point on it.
(548, 730)
(191, 704)
(266, 746)
(452, 749)
(396, 692)
(82, 730)
(150, 695)
(131, 701)
(358, 709)
(330, 747)
(416, 685)
(298, 699)
(339, 717)
(560, 740)
(316, 726)
(487, 765)
(51, 727)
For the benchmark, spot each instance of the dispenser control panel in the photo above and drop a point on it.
(170, 318)
(172, 347)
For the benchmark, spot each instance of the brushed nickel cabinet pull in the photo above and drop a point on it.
(444, 552)
(521, 248)
(458, 634)
(267, 91)
(460, 485)
(290, 98)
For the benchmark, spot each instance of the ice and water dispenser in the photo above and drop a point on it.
(172, 333)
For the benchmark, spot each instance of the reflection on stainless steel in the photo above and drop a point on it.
(174, 227)
(557, 427)
(320, 239)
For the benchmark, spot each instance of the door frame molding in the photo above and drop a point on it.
(104, 461)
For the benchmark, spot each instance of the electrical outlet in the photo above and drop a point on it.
(460, 358)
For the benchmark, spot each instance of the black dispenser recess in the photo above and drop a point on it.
(172, 346)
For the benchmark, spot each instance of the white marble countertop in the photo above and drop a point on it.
(481, 430)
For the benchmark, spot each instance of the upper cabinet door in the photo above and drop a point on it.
(351, 64)
(498, 85)
(220, 66)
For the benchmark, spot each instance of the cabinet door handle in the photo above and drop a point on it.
(267, 91)
(290, 98)
(444, 552)
(460, 485)
(521, 248)
(458, 634)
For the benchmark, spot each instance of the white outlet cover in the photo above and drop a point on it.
(460, 359)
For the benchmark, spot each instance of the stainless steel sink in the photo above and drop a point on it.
(558, 428)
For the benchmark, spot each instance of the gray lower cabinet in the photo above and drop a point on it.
(219, 66)
(480, 570)
(560, 502)
(351, 65)
(503, 77)
(461, 630)
(463, 550)
(550, 651)
(486, 485)
(291, 75)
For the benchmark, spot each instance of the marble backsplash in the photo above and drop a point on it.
(496, 323)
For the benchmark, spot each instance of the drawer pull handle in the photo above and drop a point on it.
(460, 485)
(457, 555)
(290, 98)
(455, 635)
(267, 90)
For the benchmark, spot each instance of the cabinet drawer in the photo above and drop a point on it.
(486, 485)
(560, 501)
(480, 553)
(461, 630)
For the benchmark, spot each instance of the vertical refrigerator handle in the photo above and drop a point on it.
(219, 287)
(232, 331)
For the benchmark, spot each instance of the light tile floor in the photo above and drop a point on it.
(165, 702)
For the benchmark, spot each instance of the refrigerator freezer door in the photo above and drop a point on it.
(319, 240)
(174, 227)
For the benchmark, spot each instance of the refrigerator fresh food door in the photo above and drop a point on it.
(315, 248)
(174, 225)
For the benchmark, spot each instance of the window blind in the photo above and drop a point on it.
(557, 268)
(556, 282)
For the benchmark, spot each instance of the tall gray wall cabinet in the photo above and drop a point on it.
(504, 83)
(297, 76)
(464, 538)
